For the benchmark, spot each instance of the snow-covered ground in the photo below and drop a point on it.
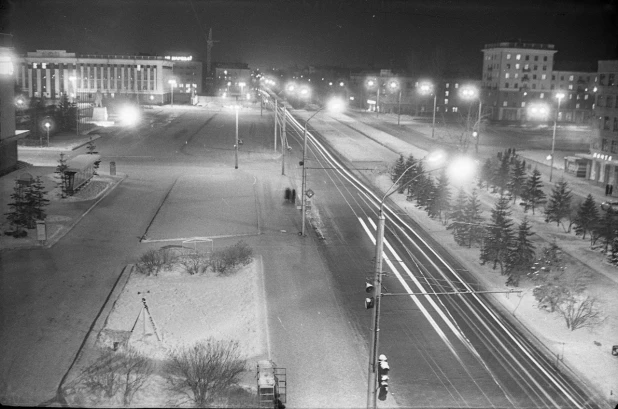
(185, 309)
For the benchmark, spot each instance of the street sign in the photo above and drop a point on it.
(41, 230)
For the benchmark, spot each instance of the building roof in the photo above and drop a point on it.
(522, 45)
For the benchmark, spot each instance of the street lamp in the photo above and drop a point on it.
(426, 88)
(461, 163)
(559, 96)
(172, 85)
(236, 140)
(242, 87)
(393, 85)
(470, 92)
(371, 83)
(47, 125)
(334, 105)
(73, 79)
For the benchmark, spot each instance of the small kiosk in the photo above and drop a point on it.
(80, 170)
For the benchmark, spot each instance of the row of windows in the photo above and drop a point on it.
(605, 144)
(610, 79)
(517, 57)
(526, 67)
(607, 101)
(525, 77)
(606, 122)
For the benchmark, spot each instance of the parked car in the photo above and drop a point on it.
(613, 206)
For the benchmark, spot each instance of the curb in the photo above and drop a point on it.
(58, 149)
(108, 191)
(95, 328)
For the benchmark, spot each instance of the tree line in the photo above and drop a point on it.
(505, 245)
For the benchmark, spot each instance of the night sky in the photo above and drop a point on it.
(415, 35)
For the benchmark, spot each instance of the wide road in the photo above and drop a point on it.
(444, 351)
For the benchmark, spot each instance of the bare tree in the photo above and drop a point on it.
(136, 370)
(205, 371)
(580, 312)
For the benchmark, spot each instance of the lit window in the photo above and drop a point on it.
(43, 65)
(523, 104)
(446, 93)
(447, 85)
(543, 76)
(570, 86)
(33, 65)
(454, 109)
(504, 103)
(508, 56)
(570, 96)
(518, 57)
(586, 96)
(506, 75)
(570, 78)
(542, 95)
(516, 75)
(516, 66)
(578, 96)
(526, 66)
(445, 101)
(456, 85)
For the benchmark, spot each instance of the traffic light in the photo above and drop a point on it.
(383, 369)
(369, 301)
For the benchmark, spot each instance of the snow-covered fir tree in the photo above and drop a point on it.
(499, 235)
(473, 218)
(587, 216)
(518, 179)
(559, 203)
(533, 194)
(457, 216)
(440, 197)
(521, 256)
(398, 168)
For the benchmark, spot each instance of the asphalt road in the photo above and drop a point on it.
(444, 351)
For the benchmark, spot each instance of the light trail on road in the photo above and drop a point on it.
(539, 381)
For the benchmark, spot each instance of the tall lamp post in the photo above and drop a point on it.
(559, 97)
(426, 88)
(333, 106)
(469, 92)
(377, 281)
(375, 83)
(236, 140)
(393, 85)
(47, 125)
(73, 79)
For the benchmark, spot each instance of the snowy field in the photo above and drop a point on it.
(184, 309)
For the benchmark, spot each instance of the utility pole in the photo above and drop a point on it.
(276, 120)
(236, 143)
(284, 143)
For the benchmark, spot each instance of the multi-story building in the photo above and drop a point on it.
(8, 135)
(513, 74)
(187, 72)
(604, 142)
(50, 74)
(578, 88)
(232, 79)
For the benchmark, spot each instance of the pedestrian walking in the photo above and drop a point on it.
(288, 193)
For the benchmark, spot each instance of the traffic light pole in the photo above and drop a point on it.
(372, 385)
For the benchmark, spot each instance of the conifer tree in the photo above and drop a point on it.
(499, 235)
(424, 189)
(440, 197)
(410, 165)
(475, 231)
(559, 204)
(62, 179)
(606, 228)
(398, 169)
(533, 194)
(419, 176)
(522, 254)
(518, 179)
(37, 200)
(500, 177)
(587, 217)
(485, 174)
(17, 214)
(458, 217)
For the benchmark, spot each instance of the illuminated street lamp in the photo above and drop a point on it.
(172, 85)
(460, 165)
(236, 144)
(470, 92)
(393, 86)
(559, 96)
(371, 83)
(334, 105)
(426, 88)
(242, 86)
(538, 110)
(47, 125)
(73, 79)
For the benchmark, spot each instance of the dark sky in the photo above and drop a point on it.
(280, 33)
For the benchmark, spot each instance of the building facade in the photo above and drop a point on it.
(8, 135)
(513, 74)
(50, 74)
(187, 73)
(232, 79)
(604, 141)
